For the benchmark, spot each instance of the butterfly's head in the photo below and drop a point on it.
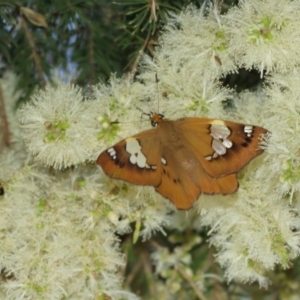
(155, 118)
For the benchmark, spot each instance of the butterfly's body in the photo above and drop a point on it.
(185, 157)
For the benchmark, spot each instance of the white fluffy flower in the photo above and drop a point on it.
(284, 162)
(264, 34)
(194, 42)
(63, 227)
(254, 235)
(63, 244)
(60, 128)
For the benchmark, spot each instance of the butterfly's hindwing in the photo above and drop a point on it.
(183, 191)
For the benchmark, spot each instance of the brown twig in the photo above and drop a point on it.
(149, 272)
(4, 122)
(138, 58)
(133, 272)
(191, 282)
(35, 56)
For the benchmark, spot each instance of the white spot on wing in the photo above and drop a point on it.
(227, 143)
(218, 146)
(141, 160)
(133, 147)
(248, 129)
(132, 159)
(163, 160)
(112, 153)
(219, 131)
(220, 143)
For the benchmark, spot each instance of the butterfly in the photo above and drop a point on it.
(183, 158)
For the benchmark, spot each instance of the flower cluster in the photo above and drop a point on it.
(59, 227)
(60, 128)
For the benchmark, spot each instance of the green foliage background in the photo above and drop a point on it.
(88, 39)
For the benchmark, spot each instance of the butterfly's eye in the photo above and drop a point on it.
(153, 123)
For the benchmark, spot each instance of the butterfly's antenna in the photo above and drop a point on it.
(128, 122)
(143, 113)
(157, 87)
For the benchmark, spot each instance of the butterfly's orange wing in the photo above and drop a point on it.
(175, 173)
(185, 157)
(236, 143)
(135, 159)
(183, 188)
(183, 176)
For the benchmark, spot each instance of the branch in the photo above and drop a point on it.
(191, 282)
(36, 58)
(4, 122)
(138, 58)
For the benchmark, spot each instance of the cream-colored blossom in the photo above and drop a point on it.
(60, 128)
(246, 107)
(63, 244)
(193, 54)
(254, 235)
(264, 34)
(196, 43)
(62, 228)
(120, 101)
(187, 65)
(140, 204)
(10, 161)
(283, 163)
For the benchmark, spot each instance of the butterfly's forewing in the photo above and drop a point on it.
(222, 147)
(135, 159)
